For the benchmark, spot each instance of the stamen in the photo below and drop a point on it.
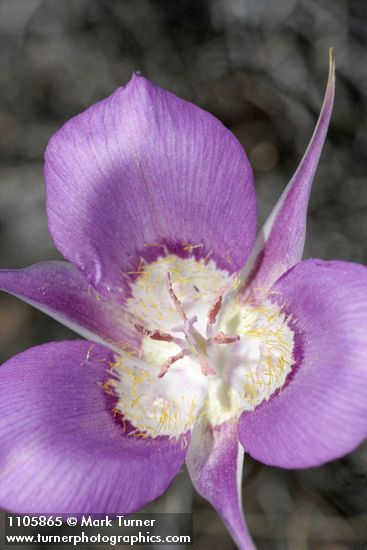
(170, 361)
(154, 334)
(206, 369)
(221, 338)
(215, 308)
(176, 302)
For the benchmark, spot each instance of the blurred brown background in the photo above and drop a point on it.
(260, 67)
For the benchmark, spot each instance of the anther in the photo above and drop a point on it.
(206, 369)
(221, 338)
(215, 308)
(153, 334)
(167, 364)
(176, 302)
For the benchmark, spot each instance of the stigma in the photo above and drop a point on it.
(199, 356)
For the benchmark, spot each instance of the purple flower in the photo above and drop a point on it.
(201, 340)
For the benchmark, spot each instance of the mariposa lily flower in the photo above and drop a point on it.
(202, 342)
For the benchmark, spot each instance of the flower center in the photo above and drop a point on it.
(197, 359)
(194, 345)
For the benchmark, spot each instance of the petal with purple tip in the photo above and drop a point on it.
(214, 462)
(142, 169)
(279, 245)
(59, 289)
(320, 414)
(62, 450)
